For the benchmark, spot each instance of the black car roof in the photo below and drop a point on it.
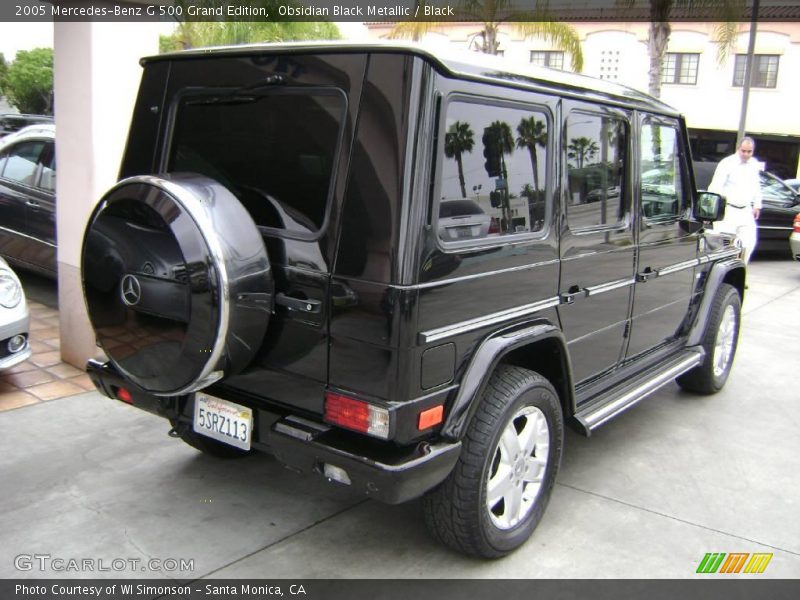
(454, 63)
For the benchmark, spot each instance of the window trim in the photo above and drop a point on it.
(756, 58)
(625, 222)
(678, 63)
(172, 119)
(547, 55)
(451, 247)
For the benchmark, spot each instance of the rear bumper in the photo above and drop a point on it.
(379, 470)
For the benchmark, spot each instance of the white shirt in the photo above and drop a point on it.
(738, 181)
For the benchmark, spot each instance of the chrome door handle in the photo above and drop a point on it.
(299, 304)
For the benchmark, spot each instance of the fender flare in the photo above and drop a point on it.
(483, 363)
(716, 277)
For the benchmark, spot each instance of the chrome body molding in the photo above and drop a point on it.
(435, 335)
(682, 266)
(27, 237)
(609, 287)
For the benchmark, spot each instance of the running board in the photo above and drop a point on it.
(610, 404)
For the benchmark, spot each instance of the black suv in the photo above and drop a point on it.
(270, 273)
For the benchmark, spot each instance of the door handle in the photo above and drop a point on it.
(571, 294)
(299, 304)
(32, 204)
(645, 275)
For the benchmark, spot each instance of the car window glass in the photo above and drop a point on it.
(47, 181)
(21, 162)
(775, 190)
(493, 171)
(661, 175)
(595, 170)
(275, 151)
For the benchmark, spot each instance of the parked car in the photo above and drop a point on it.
(462, 219)
(794, 238)
(273, 175)
(9, 123)
(14, 319)
(28, 199)
(780, 205)
(793, 183)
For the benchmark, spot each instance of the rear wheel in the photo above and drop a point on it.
(719, 341)
(497, 493)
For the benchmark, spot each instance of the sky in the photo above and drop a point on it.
(26, 36)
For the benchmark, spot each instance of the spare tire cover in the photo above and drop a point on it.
(177, 281)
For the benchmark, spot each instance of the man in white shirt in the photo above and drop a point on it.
(737, 179)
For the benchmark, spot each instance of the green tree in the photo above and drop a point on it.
(532, 133)
(581, 149)
(493, 13)
(3, 71)
(459, 139)
(232, 31)
(727, 12)
(28, 83)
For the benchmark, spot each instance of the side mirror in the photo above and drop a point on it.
(709, 207)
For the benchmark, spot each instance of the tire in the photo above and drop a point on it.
(459, 512)
(210, 447)
(719, 341)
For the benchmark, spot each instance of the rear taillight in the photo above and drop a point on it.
(494, 226)
(796, 224)
(356, 415)
(124, 395)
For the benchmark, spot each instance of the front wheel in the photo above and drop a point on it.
(497, 493)
(719, 341)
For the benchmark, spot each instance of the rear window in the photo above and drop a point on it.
(453, 208)
(276, 150)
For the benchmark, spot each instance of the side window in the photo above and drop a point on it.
(275, 150)
(493, 172)
(21, 162)
(48, 178)
(596, 157)
(661, 173)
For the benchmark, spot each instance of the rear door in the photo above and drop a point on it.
(279, 140)
(597, 244)
(668, 238)
(20, 171)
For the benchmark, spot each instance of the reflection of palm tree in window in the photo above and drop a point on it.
(581, 150)
(501, 133)
(532, 133)
(459, 139)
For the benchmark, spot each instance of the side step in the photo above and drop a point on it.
(608, 405)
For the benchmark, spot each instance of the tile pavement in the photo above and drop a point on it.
(43, 377)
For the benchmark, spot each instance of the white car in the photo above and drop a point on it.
(14, 319)
(462, 219)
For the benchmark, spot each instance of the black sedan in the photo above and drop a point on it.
(780, 205)
(28, 199)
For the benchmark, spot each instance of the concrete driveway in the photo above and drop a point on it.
(647, 496)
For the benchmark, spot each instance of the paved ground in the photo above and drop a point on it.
(647, 496)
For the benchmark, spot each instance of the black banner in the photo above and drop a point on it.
(391, 10)
(379, 589)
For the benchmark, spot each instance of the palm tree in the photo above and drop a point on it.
(728, 12)
(493, 13)
(532, 133)
(581, 149)
(500, 132)
(459, 139)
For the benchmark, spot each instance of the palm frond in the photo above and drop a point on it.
(561, 35)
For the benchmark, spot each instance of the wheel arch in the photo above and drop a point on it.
(732, 272)
(538, 346)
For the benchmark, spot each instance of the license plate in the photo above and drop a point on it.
(223, 421)
(464, 232)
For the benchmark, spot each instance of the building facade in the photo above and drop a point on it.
(707, 91)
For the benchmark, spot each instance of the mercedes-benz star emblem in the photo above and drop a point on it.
(131, 290)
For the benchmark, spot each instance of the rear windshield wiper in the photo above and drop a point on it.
(238, 95)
